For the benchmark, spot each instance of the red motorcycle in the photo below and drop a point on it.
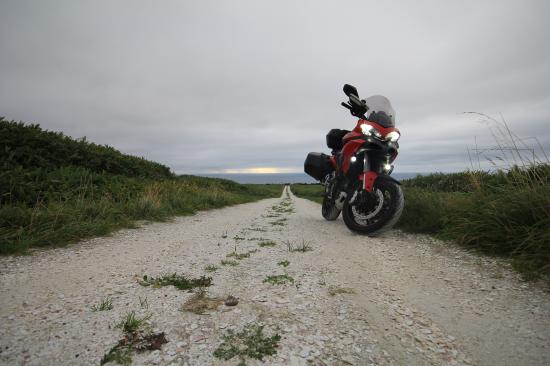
(356, 176)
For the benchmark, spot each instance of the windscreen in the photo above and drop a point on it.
(380, 111)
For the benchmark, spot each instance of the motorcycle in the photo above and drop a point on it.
(356, 176)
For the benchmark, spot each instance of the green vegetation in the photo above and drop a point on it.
(279, 279)
(228, 262)
(251, 342)
(131, 323)
(211, 268)
(178, 281)
(104, 305)
(144, 303)
(118, 354)
(238, 256)
(284, 263)
(55, 190)
(303, 246)
(136, 337)
(267, 243)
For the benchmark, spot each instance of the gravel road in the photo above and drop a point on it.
(395, 300)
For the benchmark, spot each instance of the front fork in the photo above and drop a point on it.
(368, 176)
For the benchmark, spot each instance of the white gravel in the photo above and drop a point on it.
(416, 301)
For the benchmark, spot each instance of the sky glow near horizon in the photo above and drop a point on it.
(250, 87)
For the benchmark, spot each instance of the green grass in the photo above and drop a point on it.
(55, 190)
(249, 343)
(137, 336)
(284, 263)
(267, 243)
(130, 323)
(302, 246)
(279, 279)
(211, 268)
(104, 305)
(238, 256)
(178, 281)
(228, 262)
(119, 355)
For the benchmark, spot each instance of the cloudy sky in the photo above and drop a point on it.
(252, 86)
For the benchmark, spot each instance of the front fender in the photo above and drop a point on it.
(370, 177)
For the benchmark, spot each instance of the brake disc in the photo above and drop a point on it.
(365, 216)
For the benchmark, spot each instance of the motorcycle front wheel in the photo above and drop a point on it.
(372, 213)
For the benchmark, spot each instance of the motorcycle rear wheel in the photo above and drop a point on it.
(373, 213)
(329, 210)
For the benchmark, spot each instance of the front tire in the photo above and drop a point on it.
(375, 212)
(329, 210)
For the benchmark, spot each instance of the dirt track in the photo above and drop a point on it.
(412, 300)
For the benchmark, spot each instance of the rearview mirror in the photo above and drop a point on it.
(350, 89)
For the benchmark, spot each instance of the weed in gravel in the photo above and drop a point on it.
(303, 246)
(271, 215)
(143, 303)
(335, 290)
(241, 256)
(211, 268)
(104, 305)
(178, 281)
(267, 243)
(200, 302)
(228, 262)
(280, 222)
(238, 256)
(256, 239)
(237, 237)
(279, 279)
(251, 342)
(224, 235)
(120, 355)
(284, 263)
(131, 323)
(260, 229)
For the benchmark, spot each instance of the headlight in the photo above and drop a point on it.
(369, 130)
(393, 136)
(366, 129)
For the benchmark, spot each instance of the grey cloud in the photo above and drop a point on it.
(212, 85)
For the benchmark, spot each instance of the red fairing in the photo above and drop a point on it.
(349, 150)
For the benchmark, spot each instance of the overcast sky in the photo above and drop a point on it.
(237, 86)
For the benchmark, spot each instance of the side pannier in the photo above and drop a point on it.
(318, 165)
